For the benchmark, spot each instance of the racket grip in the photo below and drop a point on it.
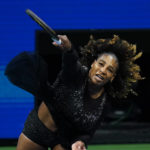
(57, 41)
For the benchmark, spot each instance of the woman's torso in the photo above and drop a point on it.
(70, 108)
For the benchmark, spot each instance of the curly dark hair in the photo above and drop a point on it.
(127, 73)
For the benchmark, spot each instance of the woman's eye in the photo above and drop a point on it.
(101, 64)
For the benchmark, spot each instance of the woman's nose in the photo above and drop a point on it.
(103, 70)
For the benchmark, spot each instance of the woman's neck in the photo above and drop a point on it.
(94, 91)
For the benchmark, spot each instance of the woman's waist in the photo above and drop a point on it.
(45, 116)
(53, 118)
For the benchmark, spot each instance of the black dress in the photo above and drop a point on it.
(76, 115)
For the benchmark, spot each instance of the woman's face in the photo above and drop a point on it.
(103, 69)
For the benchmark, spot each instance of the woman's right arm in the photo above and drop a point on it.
(72, 69)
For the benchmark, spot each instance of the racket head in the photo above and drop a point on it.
(39, 21)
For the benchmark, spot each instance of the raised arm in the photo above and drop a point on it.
(72, 70)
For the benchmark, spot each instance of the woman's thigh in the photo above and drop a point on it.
(24, 143)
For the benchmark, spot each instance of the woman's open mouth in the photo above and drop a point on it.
(99, 77)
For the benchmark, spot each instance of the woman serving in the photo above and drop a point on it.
(71, 108)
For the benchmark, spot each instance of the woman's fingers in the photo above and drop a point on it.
(54, 43)
(65, 43)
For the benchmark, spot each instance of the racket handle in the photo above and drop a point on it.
(57, 41)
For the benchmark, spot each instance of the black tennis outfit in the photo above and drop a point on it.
(75, 114)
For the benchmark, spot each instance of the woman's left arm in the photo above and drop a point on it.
(82, 140)
(78, 145)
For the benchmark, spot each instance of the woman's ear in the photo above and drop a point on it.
(112, 78)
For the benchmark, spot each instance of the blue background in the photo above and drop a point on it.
(17, 33)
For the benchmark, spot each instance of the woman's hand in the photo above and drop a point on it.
(58, 147)
(78, 145)
(65, 43)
